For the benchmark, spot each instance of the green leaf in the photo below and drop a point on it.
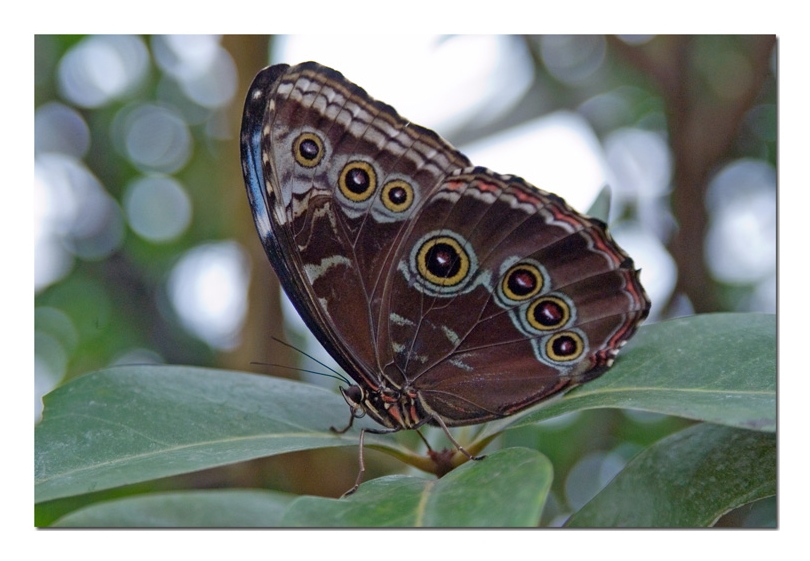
(688, 479)
(236, 508)
(507, 488)
(131, 424)
(136, 423)
(719, 368)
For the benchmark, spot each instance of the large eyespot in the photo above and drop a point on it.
(564, 347)
(397, 195)
(548, 313)
(521, 282)
(357, 181)
(442, 263)
(308, 149)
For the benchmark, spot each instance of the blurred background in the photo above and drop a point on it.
(146, 252)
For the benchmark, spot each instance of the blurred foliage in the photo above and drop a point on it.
(712, 97)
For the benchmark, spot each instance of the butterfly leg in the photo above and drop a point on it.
(362, 463)
(344, 429)
(429, 448)
(458, 446)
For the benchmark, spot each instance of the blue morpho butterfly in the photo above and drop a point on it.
(450, 294)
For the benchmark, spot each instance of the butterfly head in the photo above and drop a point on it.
(394, 408)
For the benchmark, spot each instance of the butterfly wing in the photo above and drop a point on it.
(333, 177)
(478, 294)
(502, 295)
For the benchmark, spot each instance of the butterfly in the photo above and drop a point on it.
(450, 294)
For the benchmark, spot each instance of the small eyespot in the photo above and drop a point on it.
(521, 282)
(442, 261)
(308, 150)
(358, 181)
(397, 195)
(548, 313)
(564, 347)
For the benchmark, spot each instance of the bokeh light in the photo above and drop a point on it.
(439, 82)
(573, 59)
(61, 129)
(74, 217)
(741, 243)
(116, 129)
(103, 68)
(157, 208)
(153, 138)
(558, 153)
(204, 70)
(208, 289)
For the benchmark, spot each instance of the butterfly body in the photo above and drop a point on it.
(450, 294)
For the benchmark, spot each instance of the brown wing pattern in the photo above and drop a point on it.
(446, 289)
(542, 298)
(347, 172)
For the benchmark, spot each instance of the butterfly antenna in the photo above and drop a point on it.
(275, 365)
(337, 375)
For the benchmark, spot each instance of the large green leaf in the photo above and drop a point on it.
(688, 479)
(231, 508)
(130, 424)
(508, 488)
(719, 368)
